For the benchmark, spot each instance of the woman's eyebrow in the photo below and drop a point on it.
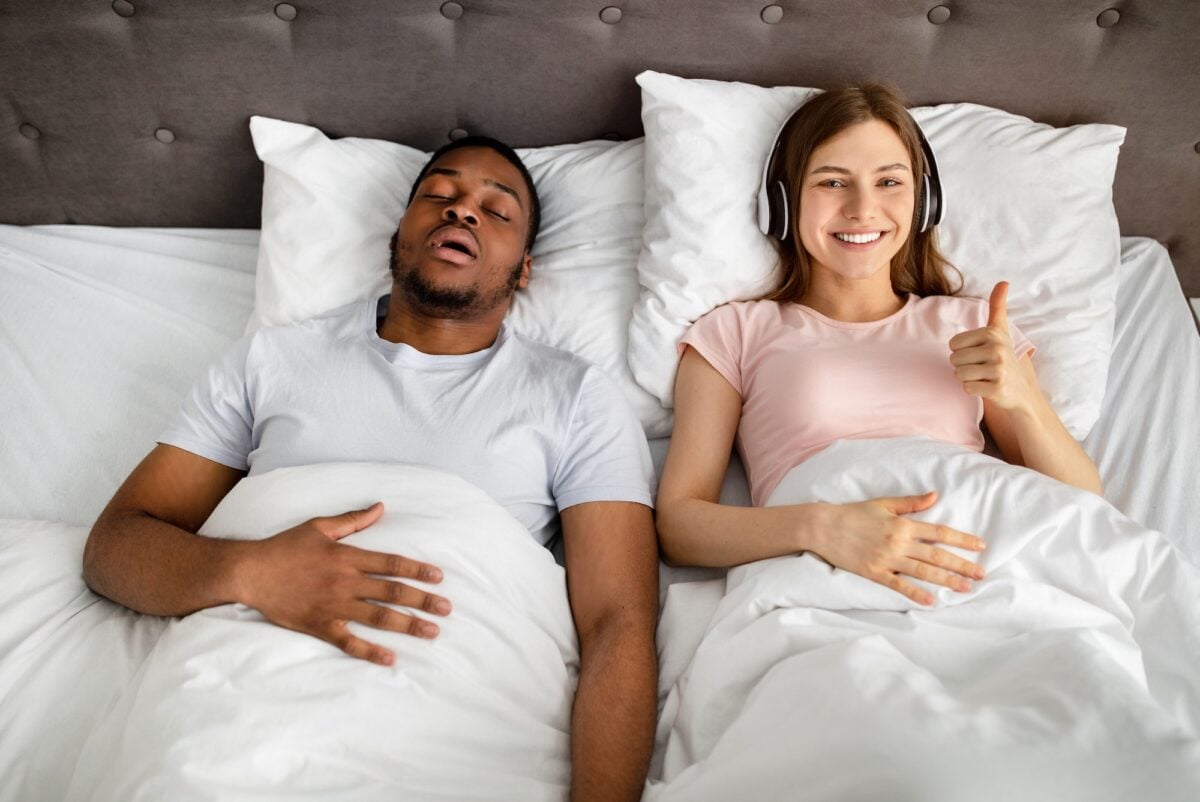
(843, 171)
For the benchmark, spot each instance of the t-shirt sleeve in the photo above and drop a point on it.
(216, 419)
(606, 457)
(718, 338)
(1021, 344)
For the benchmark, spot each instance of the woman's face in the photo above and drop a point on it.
(856, 202)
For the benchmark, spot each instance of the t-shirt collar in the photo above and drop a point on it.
(404, 354)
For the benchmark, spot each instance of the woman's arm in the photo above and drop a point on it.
(1015, 410)
(871, 538)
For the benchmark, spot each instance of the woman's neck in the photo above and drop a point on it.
(852, 300)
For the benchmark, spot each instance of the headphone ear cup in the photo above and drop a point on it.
(778, 204)
(764, 209)
(933, 203)
(924, 206)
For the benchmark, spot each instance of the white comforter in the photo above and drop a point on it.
(1071, 673)
(103, 704)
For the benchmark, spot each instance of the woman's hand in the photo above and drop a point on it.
(984, 360)
(1017, 414)
(873, 539)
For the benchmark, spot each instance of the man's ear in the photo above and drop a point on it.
(526, 267)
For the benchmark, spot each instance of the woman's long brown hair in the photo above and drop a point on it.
(919, 266)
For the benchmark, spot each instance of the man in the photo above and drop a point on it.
(429, 375)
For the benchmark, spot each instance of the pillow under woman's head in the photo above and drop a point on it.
(1026, 203)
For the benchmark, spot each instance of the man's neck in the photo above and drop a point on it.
(436, 335)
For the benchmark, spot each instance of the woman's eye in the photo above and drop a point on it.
(834, 183)
(889, 182)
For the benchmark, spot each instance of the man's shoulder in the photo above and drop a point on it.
(332, 325)
(549, 359)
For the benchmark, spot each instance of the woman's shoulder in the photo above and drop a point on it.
(744, 311)
(739, 322)
(962, 309)
(953, 301)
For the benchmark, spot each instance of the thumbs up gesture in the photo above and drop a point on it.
(984, 361)
(998, 307)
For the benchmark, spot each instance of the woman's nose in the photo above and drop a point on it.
(860, 205)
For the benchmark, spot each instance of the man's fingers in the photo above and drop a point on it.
(357, 647)
(998, 306)
(385, 590)
(378, 562)
(378, 616)
(336, 527)
(906, 504)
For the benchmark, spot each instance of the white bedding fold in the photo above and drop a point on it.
(1069, 673)
(65, 656)
(228, 706)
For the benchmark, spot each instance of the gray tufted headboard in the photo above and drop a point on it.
(135, 112)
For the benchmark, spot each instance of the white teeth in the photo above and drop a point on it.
(859, 239)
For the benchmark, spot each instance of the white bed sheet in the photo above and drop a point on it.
(168, 301)
(102, 332)
(1068, 674)
(1146, 445)
(1147, 441)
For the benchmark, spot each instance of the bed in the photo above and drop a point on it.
(147, 221)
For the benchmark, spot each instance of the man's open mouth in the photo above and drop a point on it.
(455, 239)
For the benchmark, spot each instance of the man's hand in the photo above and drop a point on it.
(304, 580)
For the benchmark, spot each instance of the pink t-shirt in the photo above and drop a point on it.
(807, 380)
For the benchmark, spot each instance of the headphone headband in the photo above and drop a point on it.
(774, 212)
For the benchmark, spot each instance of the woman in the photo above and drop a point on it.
(864, 338)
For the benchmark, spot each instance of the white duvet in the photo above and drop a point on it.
(223, 705)
(1072, 672)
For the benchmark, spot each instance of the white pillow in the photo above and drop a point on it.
(1026, 203)
(330, 207)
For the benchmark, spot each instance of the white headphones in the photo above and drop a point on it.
(774, 213)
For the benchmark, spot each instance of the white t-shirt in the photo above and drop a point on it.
(537, 428)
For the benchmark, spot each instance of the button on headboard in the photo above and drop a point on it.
(134, 112)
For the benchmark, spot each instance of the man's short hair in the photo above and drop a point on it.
(535, 210)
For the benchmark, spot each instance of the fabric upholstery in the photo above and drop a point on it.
(84, 87)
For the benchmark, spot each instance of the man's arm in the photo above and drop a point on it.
(612, 579)
(143, 553)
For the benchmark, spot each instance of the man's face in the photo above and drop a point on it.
(460, 248)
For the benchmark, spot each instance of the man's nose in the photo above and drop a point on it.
(461, 211)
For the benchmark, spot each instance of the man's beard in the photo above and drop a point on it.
(455, 303)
